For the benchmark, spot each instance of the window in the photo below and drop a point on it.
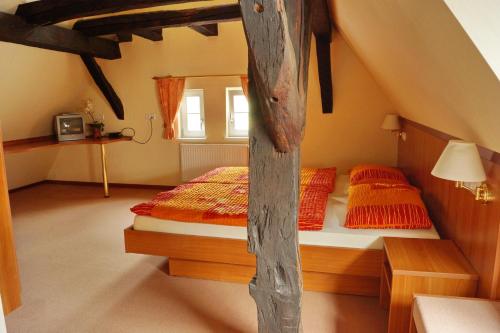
(192, 117)
(237, 113)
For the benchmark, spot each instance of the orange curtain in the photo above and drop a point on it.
(170, 91)
(244, 84)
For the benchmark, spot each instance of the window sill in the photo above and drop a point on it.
(236, 138)
(192, 139)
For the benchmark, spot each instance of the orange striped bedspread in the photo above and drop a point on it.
(323, 178)
(383, 206)
(226, 204)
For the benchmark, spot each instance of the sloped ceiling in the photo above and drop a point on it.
(425, 61)
(481, 20)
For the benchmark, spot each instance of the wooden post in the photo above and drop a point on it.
(278, 34)
(10, 285)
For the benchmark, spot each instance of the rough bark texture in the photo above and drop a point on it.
(278, 36)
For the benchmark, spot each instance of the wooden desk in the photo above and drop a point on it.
(25, 145)
(421, 266)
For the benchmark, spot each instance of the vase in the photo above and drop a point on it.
(96, 133)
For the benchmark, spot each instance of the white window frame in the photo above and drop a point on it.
(184, 133)
(231, 132)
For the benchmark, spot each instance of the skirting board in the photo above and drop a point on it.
(80, 183)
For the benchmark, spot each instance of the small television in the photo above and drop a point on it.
(69, 126)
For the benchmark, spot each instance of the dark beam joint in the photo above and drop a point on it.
(14, 29)
(325, 72)
(208, 30)
(322, 29)
(46, 12)
(104, 85)
(153, 35)
(124, 37)
(159, 20)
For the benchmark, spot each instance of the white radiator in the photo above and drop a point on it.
(196, 159)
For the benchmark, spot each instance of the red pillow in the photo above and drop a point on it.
(386, 206)
(373, 173)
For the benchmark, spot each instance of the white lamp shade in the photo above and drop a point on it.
(460, 161)
(391, 122)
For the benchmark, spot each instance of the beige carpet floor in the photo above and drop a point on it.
(77, 278)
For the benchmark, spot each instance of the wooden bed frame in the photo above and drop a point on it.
(326, 269)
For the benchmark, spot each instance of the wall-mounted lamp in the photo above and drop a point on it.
(391, 123)
(460, 162)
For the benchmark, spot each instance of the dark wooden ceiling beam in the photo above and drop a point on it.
(322, 29)
(104, 85)
(325, 72)
(159, 20)
(208, 30)
(45, 12)
(124, 37)
(153, 35)
(14, 29)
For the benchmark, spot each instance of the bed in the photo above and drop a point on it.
(334, 259)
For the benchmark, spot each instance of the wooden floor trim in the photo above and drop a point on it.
(97, 184)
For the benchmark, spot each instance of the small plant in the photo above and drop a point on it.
(96, 124)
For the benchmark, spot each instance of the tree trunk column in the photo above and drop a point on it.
(278, 33)
(272, 230)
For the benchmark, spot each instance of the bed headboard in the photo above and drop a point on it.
(473, 226)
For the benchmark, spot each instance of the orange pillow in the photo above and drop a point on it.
(372, 173)
(386, 206)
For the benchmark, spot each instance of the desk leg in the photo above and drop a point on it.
(104, 171)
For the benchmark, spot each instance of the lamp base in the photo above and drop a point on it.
(482, 193)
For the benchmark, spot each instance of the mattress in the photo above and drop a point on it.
(334, 233)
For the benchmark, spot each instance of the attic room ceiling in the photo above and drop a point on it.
(34, 24)
(481, 20)
(422, 57)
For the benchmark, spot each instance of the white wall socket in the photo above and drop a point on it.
(150, 116)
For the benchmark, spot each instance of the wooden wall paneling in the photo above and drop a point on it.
(10, 285)
(473, 226)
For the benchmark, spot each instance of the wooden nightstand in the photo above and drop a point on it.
(421, 266)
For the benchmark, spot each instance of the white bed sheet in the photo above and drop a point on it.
(333, 234)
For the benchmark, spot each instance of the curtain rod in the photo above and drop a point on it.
(197, 76)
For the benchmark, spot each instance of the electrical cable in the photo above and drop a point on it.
(133, 133)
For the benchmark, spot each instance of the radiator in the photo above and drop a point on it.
(196, 159)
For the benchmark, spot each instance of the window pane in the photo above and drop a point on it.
(241, 121)
(240, 104)
(193, 122)
(193, 104)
